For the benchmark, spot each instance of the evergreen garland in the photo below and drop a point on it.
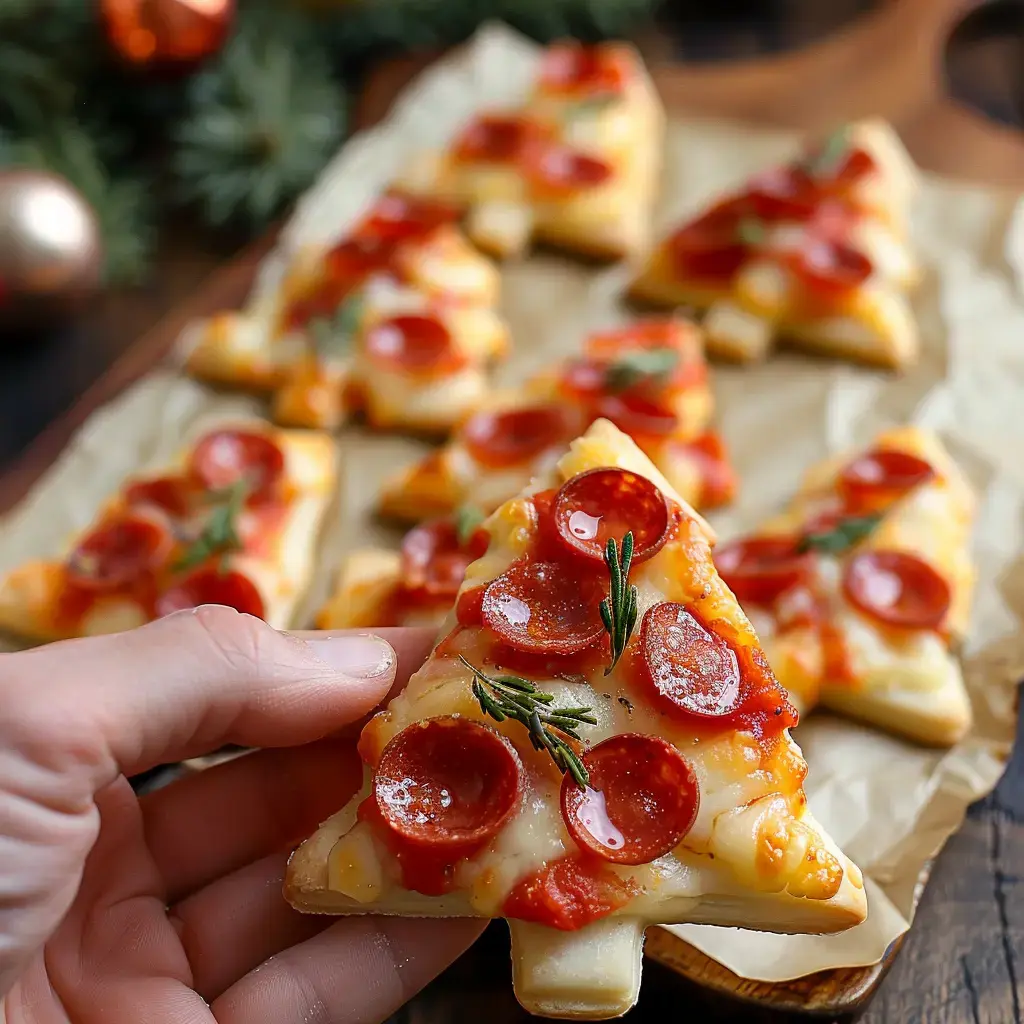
(247, 132)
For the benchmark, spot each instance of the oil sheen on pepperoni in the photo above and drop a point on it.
(545, 607)
(559, 168)
(828, 267)
(883, 473)
(447, 785)
(413, 344)
(759, 569)
(120, 551)
(434, 560)
(602, 504)
(515, 436)
(641, 802)
(209, 585)
(223, 457)
(897, 589)
(691, 669)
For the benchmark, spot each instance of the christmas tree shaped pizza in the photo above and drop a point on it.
(596, 744)
(813, 252)
(575, 166)
(396, 322)
(859, 588)
(234, 521)
(414, 586)
(650, 379)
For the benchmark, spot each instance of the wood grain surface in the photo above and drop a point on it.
(961, 962)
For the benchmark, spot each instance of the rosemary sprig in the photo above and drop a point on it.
(467, 519)
(219, 535)
(845, 534)
(618, 609)
(332, 335)
(513, 697)
(651, 365)
(826, 159)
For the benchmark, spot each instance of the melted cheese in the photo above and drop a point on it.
(502, 226)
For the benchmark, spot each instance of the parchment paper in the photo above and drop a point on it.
(890, 805)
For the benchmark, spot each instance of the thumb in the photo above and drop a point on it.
(185, 685)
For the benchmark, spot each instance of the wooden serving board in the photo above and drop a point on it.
(889, 64)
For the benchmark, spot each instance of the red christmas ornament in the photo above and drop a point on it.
(167, 32)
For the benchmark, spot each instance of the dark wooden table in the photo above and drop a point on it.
(797, 62)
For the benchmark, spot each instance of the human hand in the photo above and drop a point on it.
(167, 909)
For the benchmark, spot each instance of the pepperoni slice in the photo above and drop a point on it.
(170, 494)
(897, 589)
(710, 247)
(447, 785)
(568, 894)
(561, 169)
(497, 139)
(542, 608)
(692, 670)
(587, 70)
(414, 344)
(210, 585)
(515, 436)
(120, 551)
(781, 194)
(638, 414)
(855, 164)
(399, 218)
(830, 267)
(223, 457)
(717, 477)
(354, 259)
(882, 475)
(642, 799)
(433, 559)
(583, 379)
(601, 504)
(759, 569)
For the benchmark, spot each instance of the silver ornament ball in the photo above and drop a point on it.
(50, 244)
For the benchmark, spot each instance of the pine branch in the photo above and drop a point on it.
(261, 122)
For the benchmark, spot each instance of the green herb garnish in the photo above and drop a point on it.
(827, 158)
(618, 609)
(651, 365)
(467, 519)
(219, 535)
(845, 534)
(333, 335)
(750, 231)
(513, 697)
(596, 104)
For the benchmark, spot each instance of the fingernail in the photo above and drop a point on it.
(361, 656)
